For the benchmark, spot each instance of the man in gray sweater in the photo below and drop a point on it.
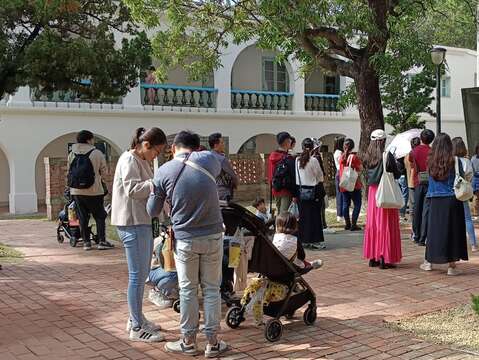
(188, 184)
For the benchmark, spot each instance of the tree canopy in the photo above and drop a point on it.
(366, 40)
(58, 44)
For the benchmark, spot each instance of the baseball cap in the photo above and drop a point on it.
(378, 134)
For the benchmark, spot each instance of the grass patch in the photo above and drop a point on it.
(458, 327)
(8, 254)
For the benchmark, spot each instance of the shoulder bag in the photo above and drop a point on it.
(349, 176)
(462, 188)
(388, 195)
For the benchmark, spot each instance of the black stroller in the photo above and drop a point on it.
(70, 228)
(270, 263)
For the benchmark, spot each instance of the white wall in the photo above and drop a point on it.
(4, 179)
(248, 69)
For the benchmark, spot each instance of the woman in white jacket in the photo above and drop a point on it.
(310, 197)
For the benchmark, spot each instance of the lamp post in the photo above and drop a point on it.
(438, 55)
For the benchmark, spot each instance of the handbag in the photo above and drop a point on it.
(306, 193)
(462, 188)
(294, 210)
(388, 195)
(349, 176)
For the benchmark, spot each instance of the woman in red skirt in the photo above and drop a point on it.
(382, 237)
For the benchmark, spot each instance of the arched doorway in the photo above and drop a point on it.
(328, 141)
(4, 181)
(58, 148)
(259, 144)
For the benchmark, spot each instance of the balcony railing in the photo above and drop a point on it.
(321, 102)
(178, 96)
(261, 100)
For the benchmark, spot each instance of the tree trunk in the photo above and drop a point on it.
(369, 104)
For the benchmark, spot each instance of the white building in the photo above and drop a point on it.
(249, 99)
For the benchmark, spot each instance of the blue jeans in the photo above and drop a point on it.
(166, 282)
(405, 194)
(339, 197)
(355, 196)
(198, 262)
(469, 224)
(138, 243)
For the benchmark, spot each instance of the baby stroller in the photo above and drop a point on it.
(68, 223)
(270, 263)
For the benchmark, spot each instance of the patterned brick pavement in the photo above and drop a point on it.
(63, 303)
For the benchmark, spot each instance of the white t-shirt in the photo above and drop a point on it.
(311, 175)
(288, 246)
(337, 156)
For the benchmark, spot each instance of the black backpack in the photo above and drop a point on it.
(282, 175)
(81, 174)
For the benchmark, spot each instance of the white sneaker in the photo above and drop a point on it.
(474, 248)
(426, 266)
(213, 351)
(329, 231)
(147, 325)
(452, 271)
(145, 335)
(316, 264)
(159, 300)
(339, 218)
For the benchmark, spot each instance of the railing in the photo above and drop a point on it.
(178, 96)
(261, 100)
(321, 102)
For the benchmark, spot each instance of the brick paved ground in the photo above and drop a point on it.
(63, 303)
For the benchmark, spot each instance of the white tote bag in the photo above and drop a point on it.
(349, 176)
(389, 194)
(462, 188)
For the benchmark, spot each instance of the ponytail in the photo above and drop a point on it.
(347, 148)
(308, 146)
(154, 136)
(137, 140)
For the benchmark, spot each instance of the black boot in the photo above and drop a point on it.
(355, 227)
(373, 263)
(348, 225)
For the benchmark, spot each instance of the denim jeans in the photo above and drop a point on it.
(355, 196)
(469, 224)
(339, 197)
(405, 194)
(198, 262)
(138, 243)
(166, 282)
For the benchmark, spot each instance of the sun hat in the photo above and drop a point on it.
(378, 134)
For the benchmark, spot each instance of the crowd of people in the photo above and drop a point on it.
(187, 191)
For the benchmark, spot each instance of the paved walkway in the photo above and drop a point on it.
(63, 303)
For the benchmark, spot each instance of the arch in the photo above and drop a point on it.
(328, 140)
(58, 148)
(4, 180)
(259, 144)
(251, 77)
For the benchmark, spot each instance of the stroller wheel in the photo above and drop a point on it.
(176, 306)
(60, 239)
(73, 241)
(310, 315)
(273, 330)
(234, 317)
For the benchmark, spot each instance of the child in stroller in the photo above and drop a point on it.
(69, 224)
(277, 275)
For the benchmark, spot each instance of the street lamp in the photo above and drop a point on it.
(438, 55)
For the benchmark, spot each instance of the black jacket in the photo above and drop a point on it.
(374, 174)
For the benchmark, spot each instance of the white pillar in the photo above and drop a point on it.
(222, 77)
(297, 87)
(132, 100)
(23, 195)
(20, 98)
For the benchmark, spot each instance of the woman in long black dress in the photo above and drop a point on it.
(310, 197)
(446, 233)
